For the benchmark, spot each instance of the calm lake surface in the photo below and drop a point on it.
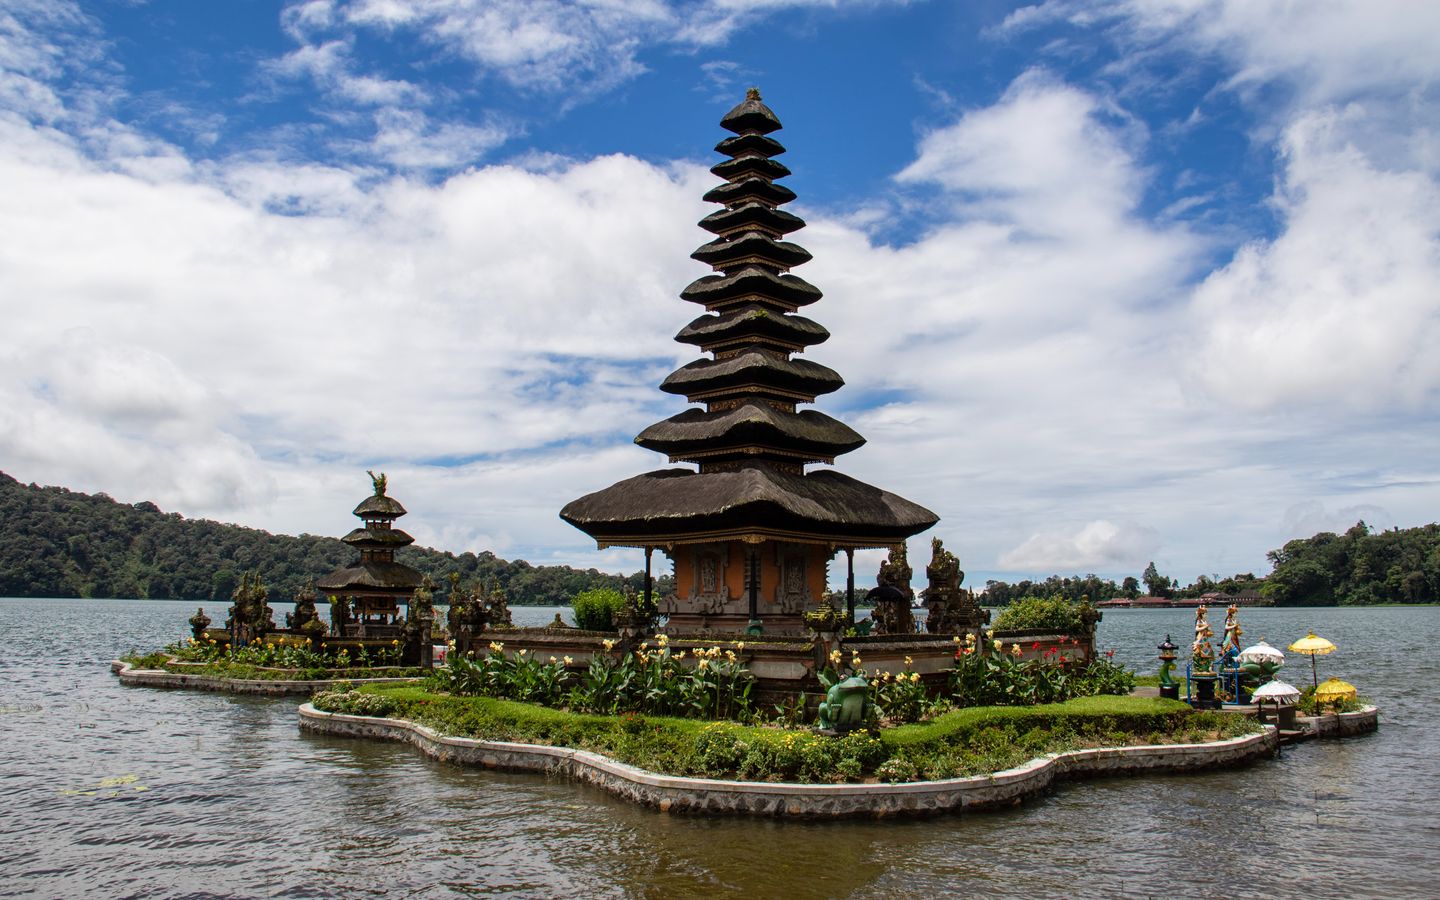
(206, 795)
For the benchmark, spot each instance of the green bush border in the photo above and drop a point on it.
(972, 741)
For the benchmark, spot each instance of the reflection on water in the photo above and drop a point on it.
(239, 802)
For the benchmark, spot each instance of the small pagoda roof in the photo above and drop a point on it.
(753, 369)
(733, 193)
(751, 115)
(751, 246)
(378, 537)
(709, 330)
(750, 144)
(697, 432)
(748, 284)
(752, 215)
(371, 576)
(757, 166)
(678, 505)
(379, 506)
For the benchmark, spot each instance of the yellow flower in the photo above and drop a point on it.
(999, 645)
(835, 657)
(644, 645)
(740, 645)
(1015, 649)
(568, 660)
(909, 662)
(884, 676)
(496, 646)
(522, 652)
(730, 655)
(395, 643)
(679, 655)
(704, 664)
(969, 637)
(956, 638)
(990, 633)
(662, 639)
(855, 660)
(552, 659)
(915, 677)
(609, 645)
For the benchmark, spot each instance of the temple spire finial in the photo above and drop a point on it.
(752, 94)
(378, 481)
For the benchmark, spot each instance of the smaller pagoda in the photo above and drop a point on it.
(367, 595)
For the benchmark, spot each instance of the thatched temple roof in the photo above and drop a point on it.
(369, 576)
(751, 442)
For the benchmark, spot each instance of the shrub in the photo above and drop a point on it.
(596, 609)
(1040, 614)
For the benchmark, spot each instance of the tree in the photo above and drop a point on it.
(1158, 585)
(1130, 587)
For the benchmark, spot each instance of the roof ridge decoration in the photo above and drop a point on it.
(751, 332)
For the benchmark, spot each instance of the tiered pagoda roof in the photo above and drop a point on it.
(377, 540)
(749, 440)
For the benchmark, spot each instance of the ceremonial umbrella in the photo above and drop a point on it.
(1333, 690)
(1277, 692)
(1261, 653)
(1315, 646)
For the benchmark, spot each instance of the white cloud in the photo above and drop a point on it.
(1341, 309)
(1097, 546)
(1312, 517)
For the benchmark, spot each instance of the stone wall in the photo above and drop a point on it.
(160, 678)
(669, 793)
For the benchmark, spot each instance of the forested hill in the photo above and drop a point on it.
(59, 543)
(1358, 568)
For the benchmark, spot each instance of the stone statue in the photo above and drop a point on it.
(304, 613)
(497, 607)
(419, 622)
(250, 616)
(379, 481)
(1202, 653)
(198, 623)
(952, 610)
(847, 705)
(1230, 646)
(892, 596)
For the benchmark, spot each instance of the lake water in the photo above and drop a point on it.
(133, 792)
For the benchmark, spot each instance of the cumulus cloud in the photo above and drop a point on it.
(1097, 546)
(1340, 309)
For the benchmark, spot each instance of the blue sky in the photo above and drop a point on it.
(1109, 281)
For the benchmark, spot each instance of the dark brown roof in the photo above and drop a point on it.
(740, 167)
(733, 193)
(380, 507)
(371, 576)
(811, 433)
(378, 537)
(753, 368)
(757, 144)
(723, 252)
(709, 329)
(678, 504)
(751, 115)
(751, 215)
(715, 290)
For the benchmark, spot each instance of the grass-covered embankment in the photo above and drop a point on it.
(970, 741)
(225, 668)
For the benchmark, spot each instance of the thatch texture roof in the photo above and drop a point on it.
(753, 369)
(754, 424)
(780, 254)
(751, 116)
(758, 144)
(370, 576)
(733, 192)
(749, 282)
(677, 504)
(380, 507)
(712, 329)
(743, 166)
(752, 215)
(378, 537)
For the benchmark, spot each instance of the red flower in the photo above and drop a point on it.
(1035, 646)
(1109, 654)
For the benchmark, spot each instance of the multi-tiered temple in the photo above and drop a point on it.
(369, 593)
(752, 531)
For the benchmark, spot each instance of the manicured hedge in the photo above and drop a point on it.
(963, 742)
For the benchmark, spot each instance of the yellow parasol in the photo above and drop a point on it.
(1333, 690)
(1315, 646)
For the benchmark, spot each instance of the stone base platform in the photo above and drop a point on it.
(669, 793)
(161, 678)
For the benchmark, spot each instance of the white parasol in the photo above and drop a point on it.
(1262, 653)
(1277, 692)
